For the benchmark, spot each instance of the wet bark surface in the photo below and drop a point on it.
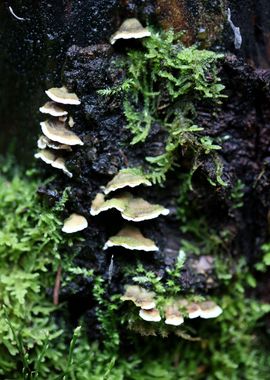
(67, 43)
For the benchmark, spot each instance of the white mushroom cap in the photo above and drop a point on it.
(56, 131)
(46, 156)
(152, 315)
(43, 142)
(209, 309)
(74, 223)
(53, 109)
(131, 238)
(193, 310)
(61, 95)
(127, 178)
(130, 28)
(59, 163)
(99, 204)
(173, 315)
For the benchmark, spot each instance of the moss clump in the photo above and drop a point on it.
(165, 82)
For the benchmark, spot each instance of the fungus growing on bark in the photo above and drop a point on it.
(99, 204)
(193, 310)
(209, 309)
(127, 178)
(46, 156)
(59, 163)
(130, 28)
(152, 315)
(56, 131)
(61, 95)
(173, 315)
(131, 238)
(53, 109)
(50, 158)
(74, 223)
(43, 142)
(132, 209)
(140, 297)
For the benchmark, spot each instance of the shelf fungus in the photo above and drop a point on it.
(56, 131)
(173, 315)
(127, 178)
(50, 158)
(43, 143)
(131, 238)
(131, 208)
(193, 310)
(130, 28)
(61, 95)
(209, 309)
(99, 204)
(53, 109)
(74, 223)
(152, 315)
(140, 297)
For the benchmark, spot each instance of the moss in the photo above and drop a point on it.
(165, 83)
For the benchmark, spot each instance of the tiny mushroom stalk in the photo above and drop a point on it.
(130, 28)
(74, 223)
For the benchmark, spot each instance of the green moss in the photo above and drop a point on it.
(165, 82)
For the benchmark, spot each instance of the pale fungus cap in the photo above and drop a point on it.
(50, 158)
(130, 28)
(59, 163)
(43, 142)
(173, 316)
(74, 223)
(209, 309)
(53, 109)
(46, 156)
(61, 95)
(56, 131)
(99, 204)
(71, 122)
(127, 178)
(132, 209)
(193, 310)
(140, 297)
(137, 210)
(152, 315)
(131, 238)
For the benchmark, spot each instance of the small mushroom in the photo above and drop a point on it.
(209, 309)
(61, 95)
(59, 163)
(193, 310)
(56, 131)
(173, 315)
(130, 28)
(99, 204)
(140, 297)
(74, 223)
(46, 156)
(71, 122)
(127, 178)
(43, 142)
(53, 109)
(131, 238)
(152, 315)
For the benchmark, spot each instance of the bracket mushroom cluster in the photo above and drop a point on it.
(131, 208)
(174, 311)
(57, 135)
